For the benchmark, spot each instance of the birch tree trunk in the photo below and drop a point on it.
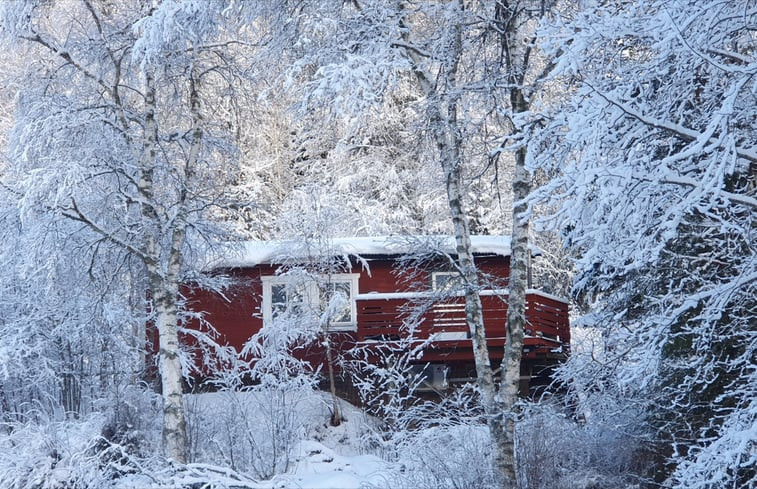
(164, 283)
(516, 56)
(166, 318)
(474, 309)
(516, 312)
(443, 114)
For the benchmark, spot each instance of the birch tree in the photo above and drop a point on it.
(442, 112)
(123, 129)
(524, 69)
(657, 151)
(475, 73)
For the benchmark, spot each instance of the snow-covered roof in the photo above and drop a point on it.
(250, 253)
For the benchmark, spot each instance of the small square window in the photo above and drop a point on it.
(286, 297)
(341, 292)
(446, 281)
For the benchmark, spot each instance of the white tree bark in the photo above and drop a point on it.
(174, 423)
(517, 59)
(164, 280)
(473, 307)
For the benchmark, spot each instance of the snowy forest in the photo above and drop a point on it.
(606, 144)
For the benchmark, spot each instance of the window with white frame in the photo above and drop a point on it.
(446, 281)
(314, 297)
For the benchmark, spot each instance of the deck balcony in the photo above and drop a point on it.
(441, 322)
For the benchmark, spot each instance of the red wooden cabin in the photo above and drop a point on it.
(382, 293)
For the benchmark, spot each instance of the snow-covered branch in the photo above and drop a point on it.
(681, 131)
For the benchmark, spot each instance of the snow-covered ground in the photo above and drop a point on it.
(318, 466)
(315, 466)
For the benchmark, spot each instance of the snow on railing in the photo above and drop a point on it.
(422, 294)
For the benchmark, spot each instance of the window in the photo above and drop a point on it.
(430, 377)
(288, 296)
(446, 281)
(298, 297)
(342, 312)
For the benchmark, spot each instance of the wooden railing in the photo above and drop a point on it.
(547, 317)
(388, 317)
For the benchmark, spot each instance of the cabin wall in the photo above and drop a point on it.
(236, 314)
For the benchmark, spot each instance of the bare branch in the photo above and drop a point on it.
(66, 56)
(75, 214)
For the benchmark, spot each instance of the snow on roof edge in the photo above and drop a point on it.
(251, 253)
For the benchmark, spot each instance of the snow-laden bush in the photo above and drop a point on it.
(439, 443)
(553, 451)
(41, 454)
(254, 428)
(65, 454)
(51, 451)
(253, 431)
(446, 457)
(556, 452)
